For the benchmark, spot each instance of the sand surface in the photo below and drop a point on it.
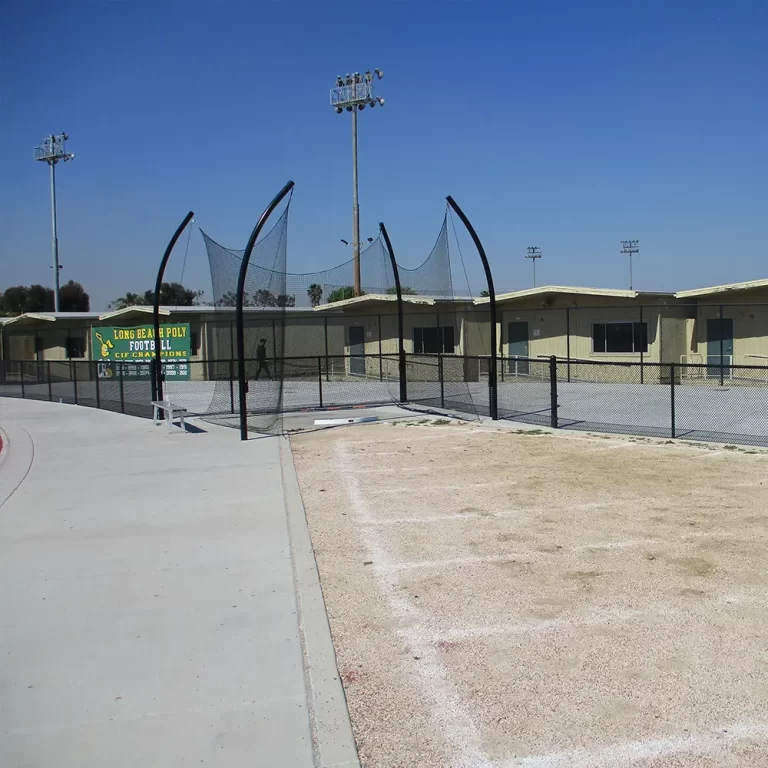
(503, 599)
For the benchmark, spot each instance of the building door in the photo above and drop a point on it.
(357, 350)
(517, 347)
(713, 346)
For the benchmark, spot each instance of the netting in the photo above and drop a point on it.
(265, 302)
(323, 347)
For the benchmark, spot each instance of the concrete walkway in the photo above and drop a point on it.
(147, 606)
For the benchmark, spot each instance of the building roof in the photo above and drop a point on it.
(372, 298)
(32, 318)
(127, 311)
(615, 293)
(715, 289)
(143, 313)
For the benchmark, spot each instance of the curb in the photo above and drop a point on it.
(332, 736)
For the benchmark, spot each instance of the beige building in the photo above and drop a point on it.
(737, 313)
(580, 324)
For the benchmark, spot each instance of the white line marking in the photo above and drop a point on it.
(531, 626)
(517, 557)
(457, 728)
(462, 487)
(428, 519)
(625, 755)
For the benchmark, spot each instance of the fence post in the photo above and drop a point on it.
(231, 385)
(320, 378)
(122, 390)
(381, 363)
(672, 398)
(553, 392)
(74, 380)
(568, 342)
(721, 344)
(50, 388)
(642, 377)
(440, 372)
(21, 379)
(93, 366)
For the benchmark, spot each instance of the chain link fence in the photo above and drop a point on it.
(723, 403)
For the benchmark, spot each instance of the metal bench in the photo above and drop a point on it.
(171, 412)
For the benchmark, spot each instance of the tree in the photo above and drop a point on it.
(484, 294)
(405, 290)
(129, 300)
(340, 294)
(73, 298)
(171, 295)
(261, 298)
(15, 300)
(228, 299)
(315, 293)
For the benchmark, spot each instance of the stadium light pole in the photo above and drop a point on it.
(534, 252)
(353, 93)
(630, 247)
(51, 150)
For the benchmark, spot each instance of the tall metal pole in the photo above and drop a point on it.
(157, 382)
(353, 93)
(534, 252)
(242, 386)
(630, 247)
(493, 400)
(400, 325)
(55, 239)
(51, 150)
(355, 210)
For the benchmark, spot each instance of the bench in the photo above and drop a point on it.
(171, 412)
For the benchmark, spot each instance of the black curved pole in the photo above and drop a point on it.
(493, 401)
(157, 374)
(399, 291)
(239, 307)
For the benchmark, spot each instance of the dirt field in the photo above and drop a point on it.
(500, 599)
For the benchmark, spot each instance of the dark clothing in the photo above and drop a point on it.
(263, 367)
(261, 353)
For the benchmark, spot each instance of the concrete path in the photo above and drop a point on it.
(147, 606)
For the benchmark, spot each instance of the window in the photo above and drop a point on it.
(194, 343)
(620, 337)
(433, 341)
(75, 346)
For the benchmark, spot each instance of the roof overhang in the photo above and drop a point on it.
(548, 290)
(373, 298)
(127, 312)
(30, 318)
(729, 288)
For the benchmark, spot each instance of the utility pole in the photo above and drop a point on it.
(50, 151)
(630, 247)
(534, 252)
(352, 93)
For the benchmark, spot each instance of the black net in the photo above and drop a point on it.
(326, 347)
(265, 304)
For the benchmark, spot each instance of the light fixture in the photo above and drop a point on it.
(352, 93)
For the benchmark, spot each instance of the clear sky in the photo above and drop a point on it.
(567, 124)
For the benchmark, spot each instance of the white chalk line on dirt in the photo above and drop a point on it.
(457, 728)
(445, 487)
(475, 513)
(531, 626)
(516, 557)
(625, 755)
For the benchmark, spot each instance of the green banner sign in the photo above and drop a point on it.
(135, 349)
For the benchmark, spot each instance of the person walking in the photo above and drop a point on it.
(261, 359)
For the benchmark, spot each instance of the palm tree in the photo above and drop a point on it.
(315, 293)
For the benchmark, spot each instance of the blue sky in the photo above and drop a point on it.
(567, 125)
